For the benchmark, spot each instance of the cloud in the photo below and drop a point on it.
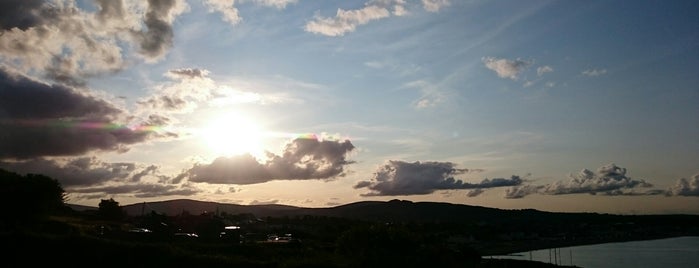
(418, 178)
(280, 4)
(23, 14)
(157, 39)
(608, 180)
(431, 94)
(475, 192)
(191, 88)
(67, 44)
(521, 191)
(85, 171)
(231, 14)
(187, 73)
(39, 119)
(346, 20)
(685, 187)
(90, 178)
(434, 5)
(269, 202)
(226, 8)
(543, 69)
(594, 72)
(140, 190)
(506, 68)
(302, 159)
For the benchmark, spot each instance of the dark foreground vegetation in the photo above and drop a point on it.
(41, 228)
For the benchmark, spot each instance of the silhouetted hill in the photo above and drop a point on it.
(194, 207)
(394, 210)
(76, 207)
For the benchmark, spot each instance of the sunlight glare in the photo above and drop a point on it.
(232, 134)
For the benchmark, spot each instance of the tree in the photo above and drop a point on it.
(110, 210)
(29, 196)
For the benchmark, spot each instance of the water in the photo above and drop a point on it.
(665, 253)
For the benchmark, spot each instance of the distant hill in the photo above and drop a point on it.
(394, 210)
(177, 206)
(81, 207)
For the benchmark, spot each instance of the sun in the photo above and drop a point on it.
(232, 134)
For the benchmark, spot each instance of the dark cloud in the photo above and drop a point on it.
(21, 14)
(302, 159)
(608, 180)
(270, 202)
(685, 187)
(241, 169)
(404, 178)
(521, 191)
(140, 190)
(83, 171)
(110, 10)
(150, 170)
(157, 39)
(55, 120)
(24, 98)
(190, 73)
(165, 102)
(91, 178)
(475, 192)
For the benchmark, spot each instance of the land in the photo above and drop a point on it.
(365, 234)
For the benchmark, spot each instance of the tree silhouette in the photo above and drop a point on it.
(110, 210)
(29, 196)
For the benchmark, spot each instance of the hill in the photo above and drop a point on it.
(490, 230)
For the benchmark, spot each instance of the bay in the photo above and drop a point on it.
(668, 252)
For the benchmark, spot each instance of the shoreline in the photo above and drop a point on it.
(526, 246)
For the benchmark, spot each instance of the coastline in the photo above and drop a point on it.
(532, 245)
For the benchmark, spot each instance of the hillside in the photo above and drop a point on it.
(490, 230)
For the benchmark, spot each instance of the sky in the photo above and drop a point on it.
(570, 106)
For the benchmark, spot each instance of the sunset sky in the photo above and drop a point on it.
(552, 105)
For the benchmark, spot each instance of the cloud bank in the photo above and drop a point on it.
(302, 159)
(40, 119)
(91, 178)
(608, 180)
(419, 178)
(685, 187)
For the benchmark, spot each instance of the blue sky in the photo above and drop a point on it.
(553, 105)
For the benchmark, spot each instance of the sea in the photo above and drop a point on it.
(675, 252)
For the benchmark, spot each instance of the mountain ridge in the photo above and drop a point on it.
(393, 210)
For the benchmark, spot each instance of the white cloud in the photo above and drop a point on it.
(543, 69)
(226, 8)
(506, 68)
(434, 5)
(594, 72)
(346, 20)
(431, 94)
(67, 44)
(280, 4)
